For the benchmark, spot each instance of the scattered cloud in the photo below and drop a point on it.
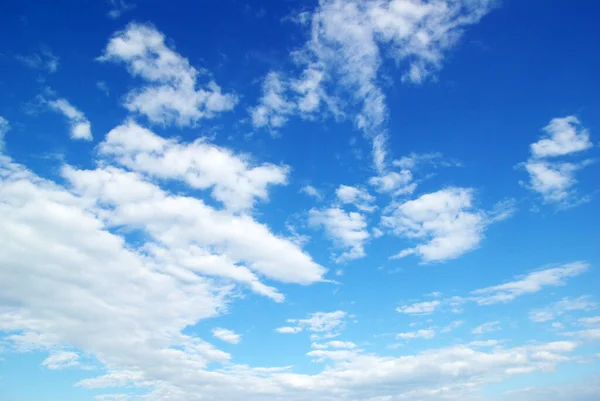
(61, 360)
(118, 8)
(420, 308)
(358, 197)
(322, 324)
(80, 125)
(171, 94)
(44, 60)
(228, 336)
(555, 180)
(311, 191)
(486, 328)
(452, 326)
(423, 333)
(529, 284)
(561, 307)
(347, 229)
(446, 223)
(590, 321)
(274, 108)
(103, 86)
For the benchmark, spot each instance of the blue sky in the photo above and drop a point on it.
(360, 200)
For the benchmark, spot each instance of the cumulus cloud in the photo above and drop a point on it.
(233, 179)
(411, 335)
(555, 180)
(227, 335)
(273, 108)
(80, 125)
(347, 229)
(356, 196)
(311, 191)
(446, 222)
(172, 93)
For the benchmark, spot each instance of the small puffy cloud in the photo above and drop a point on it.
(358, 197)
(486, 328)
(288, 330)
(311, 191)
(452, 326)
(274, 107)
(420, 308)
(555, 180)
(80, 125)
(226, 335)
(347, 229)
(61, 360)
(44, 60)
(561, 307)
(529, 284)
(411, 335)
(234, 181)
(446, 223)
(564, 136)
(171, 94)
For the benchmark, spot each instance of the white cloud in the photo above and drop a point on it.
(565, 136)
(588, 334)
(334, 344)
(561, 307)
(555, 180)
(44, 60)
(61, 360)
(101, 85)
(118, 7)
(311, 191)
(358, 197)
(420, 308)
(446, 223)
(347, 229)
(423, 333)
(80, 125)
(171, 94)
(4, 127)
(288, 330)
(227, 335)
(322, 324)
(452, 326)
(584, 390)
(486, 328)
(529, 284)
(273, 108)
(233, 179)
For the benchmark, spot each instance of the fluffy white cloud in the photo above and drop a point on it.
(233, 179)
(347, 229)
(172, 93)
(561, 307)
(452, 326)
(118, 7)
(334, 344)
(80, 125)
(446, 222)
(288, 330)
(565, 136)
(273, 108)
(420, 308)
(423, 333)
(529, 284)
(486, 328)
(61, 360)
(356, 196)
(227, 335)
(554, 180)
